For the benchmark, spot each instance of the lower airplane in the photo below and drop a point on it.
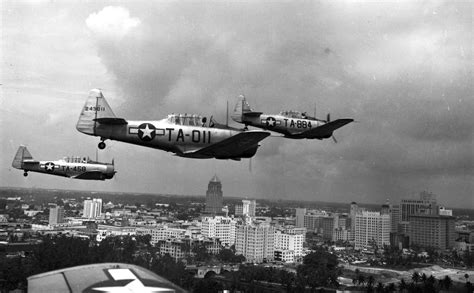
(185, 135)
(103, 277)
(73, 167)
(292, 124)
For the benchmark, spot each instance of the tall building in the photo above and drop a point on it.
(288, 246)
(372, 228)
(247, 208)
(394, 217)
(300, 213)
(92, 208)
(426, 205)
(432, 231)
(255, 242)
(214, 197)
(56, 215)
(219, 227)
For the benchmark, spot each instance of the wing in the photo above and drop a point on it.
(111, 121)
(105, 277)
(326, 130)
(92, 175)
(233, 146)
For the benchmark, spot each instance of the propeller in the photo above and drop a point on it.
(328, 118)
(334, 138)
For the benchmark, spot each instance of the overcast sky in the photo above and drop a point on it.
(402, 69)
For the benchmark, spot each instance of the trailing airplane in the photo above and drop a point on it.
(185, 135)
(291, 124)
(73, 167)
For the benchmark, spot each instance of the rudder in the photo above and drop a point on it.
(21, 155)
(96, 107)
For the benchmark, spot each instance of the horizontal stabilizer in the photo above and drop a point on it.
(111, 121)
(252, 114)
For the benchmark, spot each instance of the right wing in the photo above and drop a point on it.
(327, 129)
(233, 146)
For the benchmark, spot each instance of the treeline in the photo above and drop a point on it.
(319, 269)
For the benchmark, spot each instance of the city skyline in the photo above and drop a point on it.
(402, 70)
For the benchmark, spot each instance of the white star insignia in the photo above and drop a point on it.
(146, 131)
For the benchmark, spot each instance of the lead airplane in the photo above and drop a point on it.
(73, 167)
(291, 124)
(185, 135)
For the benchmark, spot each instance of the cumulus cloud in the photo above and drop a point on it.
(402, 70)
(112, 22)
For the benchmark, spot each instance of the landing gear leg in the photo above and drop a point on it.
(25, 174)
(101, 145)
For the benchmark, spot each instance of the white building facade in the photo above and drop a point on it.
(372, 228)
(219, 227)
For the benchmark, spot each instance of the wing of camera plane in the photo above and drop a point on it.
(103, 277)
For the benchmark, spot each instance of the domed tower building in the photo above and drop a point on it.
(214, 197)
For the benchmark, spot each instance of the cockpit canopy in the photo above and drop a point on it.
(76, 159)
(187, 119)
(293, 114)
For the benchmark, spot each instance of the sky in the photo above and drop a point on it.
(401, 69)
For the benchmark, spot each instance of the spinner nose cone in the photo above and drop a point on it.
(110, 171)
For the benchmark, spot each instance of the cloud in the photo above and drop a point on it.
(112, 22)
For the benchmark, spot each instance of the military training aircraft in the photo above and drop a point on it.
(291, 124)
(185, 135)
(73, 167)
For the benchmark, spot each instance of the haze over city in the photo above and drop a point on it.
(403, 70)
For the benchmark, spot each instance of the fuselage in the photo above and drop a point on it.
(291, 127)
(163, 135)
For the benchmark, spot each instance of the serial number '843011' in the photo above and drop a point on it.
(91, 108)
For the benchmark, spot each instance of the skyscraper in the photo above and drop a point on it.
(372, 228)
(219, 227)
(255, 241)
(214, 197)
(92, 208)
(247, 208)
(425, 205)
(432, 231)
(56, 215)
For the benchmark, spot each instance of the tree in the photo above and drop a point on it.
(380, 288)
(370, 283)
(415, 277)
(447, 282)
(361, 280)
(319, 268)
(403, 285)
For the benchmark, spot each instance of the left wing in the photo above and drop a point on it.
(91, 175)
(326, 130)
(233, 146)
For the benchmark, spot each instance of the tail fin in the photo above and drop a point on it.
(242, 109)
(21, 155)
(96, 107)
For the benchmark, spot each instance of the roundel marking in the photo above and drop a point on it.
(271, 122)
(49, 167)
(146, 131)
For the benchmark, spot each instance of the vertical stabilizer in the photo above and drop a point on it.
(96, 107)
(21, 155)
(240, 108)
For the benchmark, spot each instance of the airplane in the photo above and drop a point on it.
(184, 135)
(73, 167)
(101, 277)
(292, 124)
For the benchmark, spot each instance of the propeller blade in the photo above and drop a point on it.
(328, 118)
(334, 138)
